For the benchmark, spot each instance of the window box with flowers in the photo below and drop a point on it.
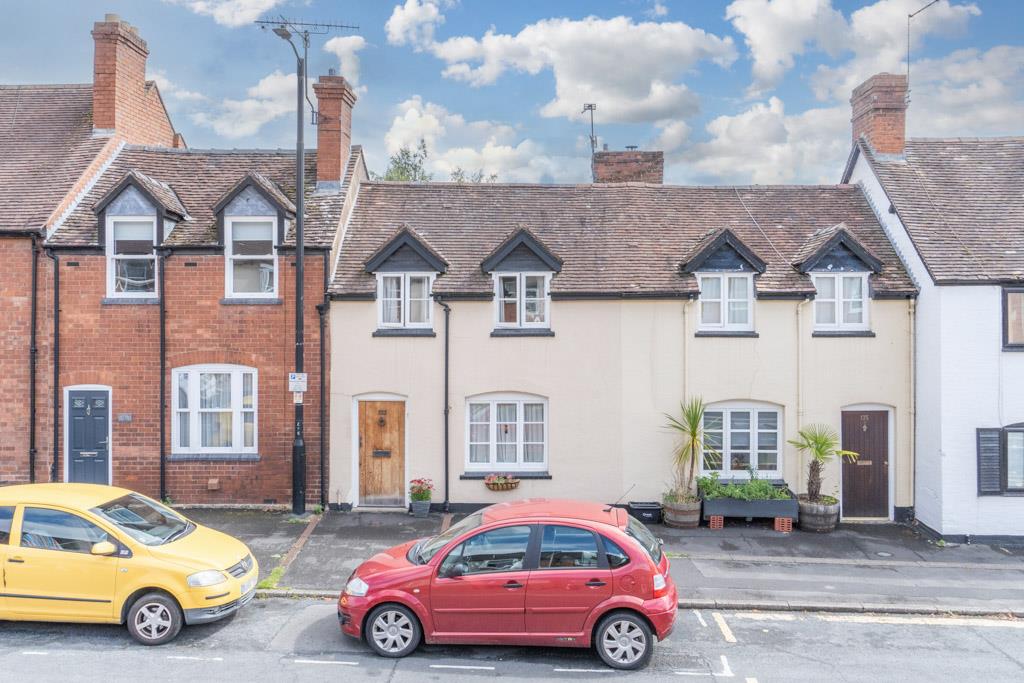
(420, 491)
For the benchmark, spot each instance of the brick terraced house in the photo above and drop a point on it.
(164, 314)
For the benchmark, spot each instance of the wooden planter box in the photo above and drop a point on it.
(732, 507)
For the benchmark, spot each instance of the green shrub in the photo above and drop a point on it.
(754, 489)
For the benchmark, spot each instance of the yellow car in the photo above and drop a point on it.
(107, 555)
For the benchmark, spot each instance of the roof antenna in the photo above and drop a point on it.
(619, 499)
(591, 107)
(909, 17)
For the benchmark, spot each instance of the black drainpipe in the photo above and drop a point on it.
(322, 310)
(33, 352)
(162, 255)
(56, 361)
(447, 319)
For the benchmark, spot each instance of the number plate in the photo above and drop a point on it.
(248, 586)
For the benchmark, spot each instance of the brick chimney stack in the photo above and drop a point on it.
(880, 112)
(119, 74)
(630, 166)
(335, 100)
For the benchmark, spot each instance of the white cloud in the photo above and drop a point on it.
(345, 48)
(671, 136)
(414, 23)
(231, 13)
(170, 89)
(657, 10)
(490, 146)
(631, 70)
(776, 31)
(272, 97)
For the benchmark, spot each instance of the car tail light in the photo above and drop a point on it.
(660, 586)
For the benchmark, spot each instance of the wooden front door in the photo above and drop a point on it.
(382, 453)
(866, 481)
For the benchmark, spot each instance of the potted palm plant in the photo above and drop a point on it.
(682, 504)
(821, 442)
(419, 493)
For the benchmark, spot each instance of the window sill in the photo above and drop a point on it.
(213, 457)
(843, 333)
(1014, 348)
(130, 301)
(517, 475)
(404, 332)
(522, 332)
(255, 301)
(743, 334)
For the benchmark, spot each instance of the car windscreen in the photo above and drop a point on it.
(642, 535)
(422, 552)
(144, 520)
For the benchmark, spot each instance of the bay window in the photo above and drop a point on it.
(726, 301)
(251, 257)
(841, 301)
(214, 408)
(131, 259)
(403, 300)
(523, 299)
(506, 432)
(740, 437)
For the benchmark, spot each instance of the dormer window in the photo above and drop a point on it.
(523, 299)
(403, 300)
(131, 260)
(841, 301)
(249, 245)
(726, 301)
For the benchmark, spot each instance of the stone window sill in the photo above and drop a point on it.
(255, 301)
(517, 475)
(522, 332)
(404, 332)
(843, 333)
(741, 334)
(213, 457)
(129, 301)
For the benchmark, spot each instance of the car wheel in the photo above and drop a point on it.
(624, 641)
(154, 619)
(393, 631)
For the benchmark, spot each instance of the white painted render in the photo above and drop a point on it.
(965, 381)
(609, 374)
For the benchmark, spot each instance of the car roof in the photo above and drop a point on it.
(552, 508)
(82, 496)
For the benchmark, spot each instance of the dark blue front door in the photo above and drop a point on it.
(89, 437)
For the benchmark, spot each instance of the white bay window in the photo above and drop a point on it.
(214, 408)
(506, 432)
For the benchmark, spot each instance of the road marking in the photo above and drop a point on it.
(196, 659)
(324, 661)
(726, 672)
(700, 618)
(461, 666)
(586, 671)
(764, 616)
(724, 627)
(920, 621)
(36, 653)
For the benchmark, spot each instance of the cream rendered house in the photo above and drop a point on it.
(545, 330)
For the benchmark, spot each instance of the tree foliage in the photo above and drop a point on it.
(410, 165)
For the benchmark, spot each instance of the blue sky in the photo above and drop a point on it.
(744, 91)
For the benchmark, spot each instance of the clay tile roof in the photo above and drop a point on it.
(613, 239)
(271, 188)
(46, 144)
(200, 178)
(160, 191)
(962, 202)
(820, 239)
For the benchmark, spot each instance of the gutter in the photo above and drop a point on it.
(322, 309)
(56, 362)
(446, 506)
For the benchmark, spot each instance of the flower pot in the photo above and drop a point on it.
(420, 508)
(502, 486)
(819, 517)
(682, 515)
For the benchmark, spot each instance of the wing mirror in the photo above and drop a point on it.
(456, 570)
(104, 548)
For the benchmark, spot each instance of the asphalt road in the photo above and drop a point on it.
(284, 640)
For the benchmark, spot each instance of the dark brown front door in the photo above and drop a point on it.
(866, 481)
(381, 452)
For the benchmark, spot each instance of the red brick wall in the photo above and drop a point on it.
(630, 166)
(118, 346)
(879, 107)
(334, 127)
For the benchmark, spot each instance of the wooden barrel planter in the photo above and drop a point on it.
(682, 515)
(818, 517)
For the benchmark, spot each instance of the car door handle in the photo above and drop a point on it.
(15, 560)
(513, 584)
(595, 583)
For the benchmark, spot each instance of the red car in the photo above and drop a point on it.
(532, 572)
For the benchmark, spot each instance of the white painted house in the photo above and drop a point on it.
(954, 209)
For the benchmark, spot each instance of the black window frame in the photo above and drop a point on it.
(1007, 345)
(602, 560)
(529, 557)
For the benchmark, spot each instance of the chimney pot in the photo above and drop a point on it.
(879, 112)
(332, 72)
(111, 18)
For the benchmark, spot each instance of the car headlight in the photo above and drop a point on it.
(210, 577)
(356, 587)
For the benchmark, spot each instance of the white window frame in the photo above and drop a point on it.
(837, 303)
(194, 412)
(111, 258)
(753, 408)
(405, 323)
(520, 300)
(492, 465)
(230, 257)
(724, 301)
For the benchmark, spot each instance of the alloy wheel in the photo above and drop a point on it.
(624, 641)
(392, 631)
(153, 620)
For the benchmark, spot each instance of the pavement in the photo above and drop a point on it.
(877, 568)
(299, 640)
